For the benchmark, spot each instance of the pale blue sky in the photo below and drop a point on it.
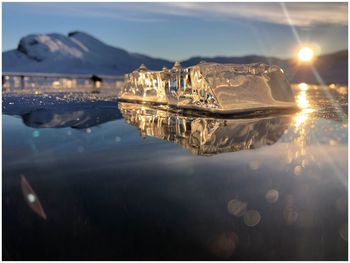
(181, 30)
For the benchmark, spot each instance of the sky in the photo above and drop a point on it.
(179, 30)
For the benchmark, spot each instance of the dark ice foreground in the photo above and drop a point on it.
(86, 178)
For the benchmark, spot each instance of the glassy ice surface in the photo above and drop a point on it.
(220, 88)
(205, 135)
(88, 178)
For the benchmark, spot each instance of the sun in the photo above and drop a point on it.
(305, 54)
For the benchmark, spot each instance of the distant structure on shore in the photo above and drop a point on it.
(15, 81)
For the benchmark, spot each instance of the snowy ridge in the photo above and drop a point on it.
(77, 53)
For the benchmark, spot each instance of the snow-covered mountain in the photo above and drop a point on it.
(81, 53)
(77, 53)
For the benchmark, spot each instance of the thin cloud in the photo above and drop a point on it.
(300, 14)
(113, 11)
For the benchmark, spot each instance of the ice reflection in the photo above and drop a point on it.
(302, 123)
(308, 128)
(304, 104)
(205, 135)
(56, 114)
(283, 201)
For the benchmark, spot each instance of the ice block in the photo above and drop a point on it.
(211, 87)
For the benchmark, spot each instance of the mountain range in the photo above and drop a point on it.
(81, 53)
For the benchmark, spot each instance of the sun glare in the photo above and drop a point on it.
(305, 54)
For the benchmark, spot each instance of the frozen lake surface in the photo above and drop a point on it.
(86, 178)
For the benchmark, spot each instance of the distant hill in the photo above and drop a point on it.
(77, 53)
(80, 53)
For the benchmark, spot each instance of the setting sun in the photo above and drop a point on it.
(305, 54)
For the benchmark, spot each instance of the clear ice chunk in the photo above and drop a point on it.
(213, 87)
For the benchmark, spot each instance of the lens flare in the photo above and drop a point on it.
(305, 54)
